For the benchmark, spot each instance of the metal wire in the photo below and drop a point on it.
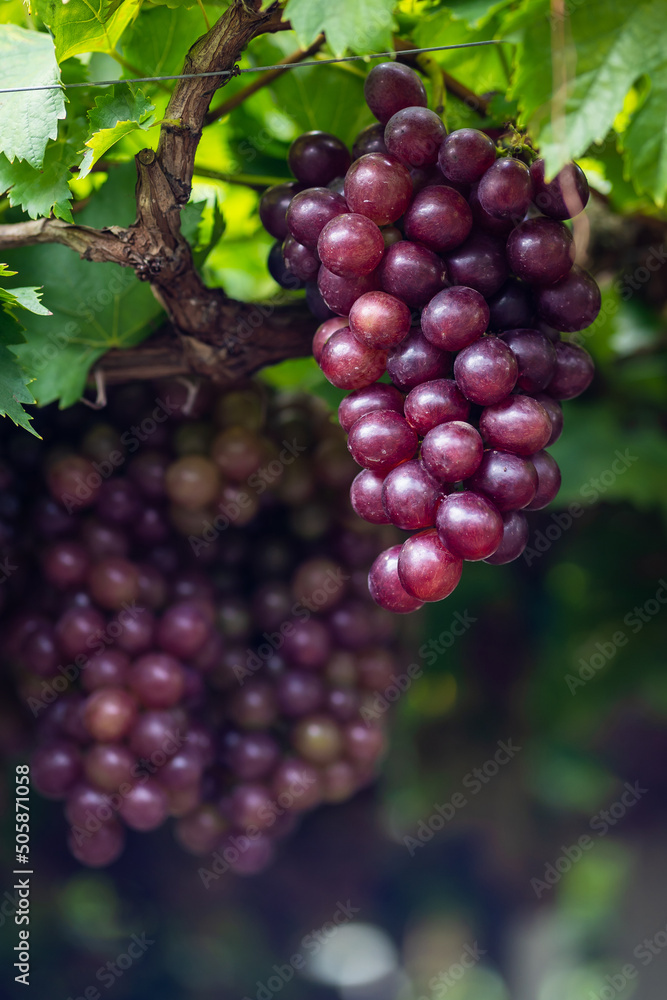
(246, 69)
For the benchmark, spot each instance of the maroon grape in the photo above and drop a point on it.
(366, 497)
(435, 402)
(315, 158)
(505, 190)
(572, 304)
(369, 140)
(535, 355)
(55, 768)
(469, 525)
(340, 294)
(439, 218)
(310, 210)
(273, 207)
(350, 246)
(452, 451)
(514, 540)
(379, 320)
(466, 154)
(378, 186)
(414, 136)
(541, 251)
(486, 371)
(563, 197)
(412, 273)
(548, 480)
(508, 480)
(512, 307)
(417, 360)
(517, 423)
(385, 586)
(555, 413)
(455, 317)
(410, 495)
(348, 364)
(373, 397)
(323, 333)
(302, 261)
(573, 373)
(390, 87)
(478, 263)
(428, 570)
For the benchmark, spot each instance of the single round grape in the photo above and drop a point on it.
(541, 251)
(39, 651)
(182, 771)
(548, 480)
(339, 781)
(323, 333)
(348, 364)
(299, 692)
(158, 680)
(535, 355)
(103, 539)
(366, 497)
(343, 703)
(315, 158)
(314, 300)
(573, 373)
(410, 495)
(365, 744)
(385, 586)
(486, 223)
(512, 307)
(65, 564)
(379, 320)
(155, 732)
(310, 210)
(350, 245)
(113, 582)
(380, 440)
(452, 451)
(138, 634)
(435, 402)
(273, 207)
(109, 714)
(85, 803)
(563, 197)
(378, 396)
(479, 263)
(439, 218)
(50, 519)
(192, 482)
(414, 136)
(73, 482)
(469, 525)
(505, 190)
(78, 630)
(319, 580)
(517, 423)
(350, 624)
(572, 304)
(253, 756)
(302, 261)
(514, 540)
(307, 644)
(145, 806)
(55, 768)
(390, 87)
(417, 360)
(412, 273)
(109, 765)
(237, 452)
(555, 412)
(369, 140)
(200, 831)
(183, 629)
(99, 848)
(340, 294)
(486, 371)
(466, 154)
(455, 317)
(118, 501)
(107, 668)
(508, 480)
(296, 785)
(317, 739)
(378, 186)
(426, 568)
(254, 705)
(151, 527)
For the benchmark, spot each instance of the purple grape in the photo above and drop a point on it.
(385, 586)
(417, 360)
(78, 630)
(390, 87)
(182, 771)
(118, 501)
(485, 222)
(414, 136)
(535, 356)
(308, 644)
(273, 207)
(572, 304)
(412, 273)
(574, 371)
(486, 371)
(369, 140)
(315, 158)
(109, 714)
(410, 495)
(109, 765)
(254, 706)
(452, 451)
(563, 197)
(340, 294)
(374, 397)
(478, 263)
(113, 582)
(65, 564)
(469, 525)
(378, 186)
(348, 364)
(433, 403)
(555, 412)
(158, 680)
(350, 246)
(512, 307)
(508, 480)
(55, 768)
(296, 782)
(379, 320)
(310, 210)
(99, 848)
(426, 568)
(514, 540)
(108, 668)
(455, 317)
(145, 806)
(381, 440)
(439, 218)
(183, 629)
(466, 154)
(278, 269)
(302, 261)
(39, 651)
(548, 480)
(366, 497)
(323, 333)
(505, 190)
(541, 251)
(315, 302)
(517, 423)
(154, 731)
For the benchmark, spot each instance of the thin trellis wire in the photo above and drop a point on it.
(247, 69)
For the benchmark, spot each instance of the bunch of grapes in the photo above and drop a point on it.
(427, 258)
(187, 619)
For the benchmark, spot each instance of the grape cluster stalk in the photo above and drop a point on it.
(445, 264)
(187, 624)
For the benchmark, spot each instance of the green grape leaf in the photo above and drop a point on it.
(13, 388)
(644, 142)
(87, 25)
(45, 191)
(114, 116)
(358, 25)
(607, 48)
(29, 120)
(26, 298)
